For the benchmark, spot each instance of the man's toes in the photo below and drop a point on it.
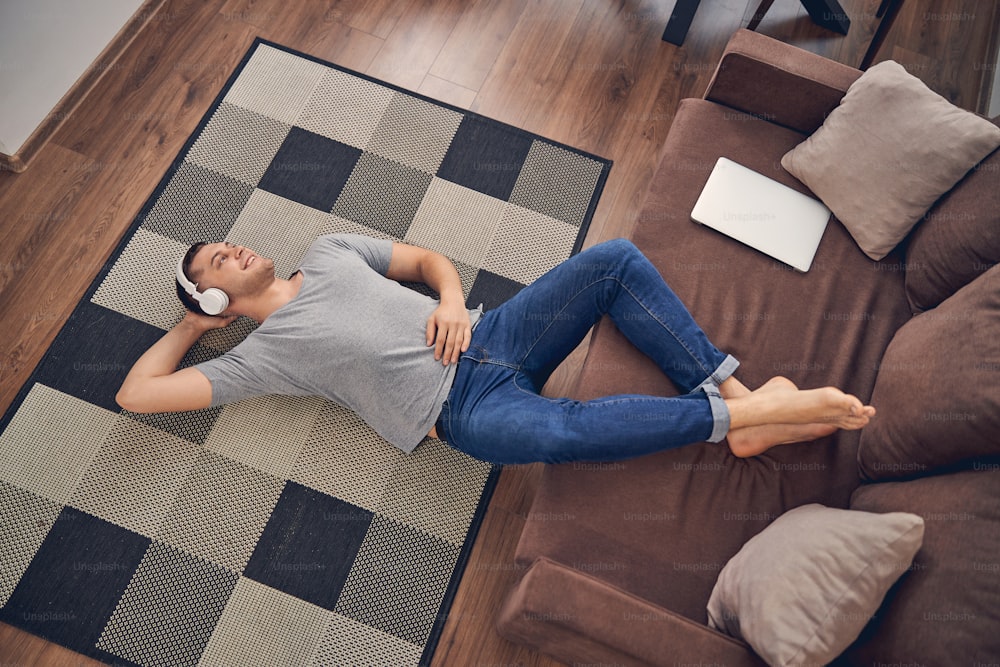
(854, 423)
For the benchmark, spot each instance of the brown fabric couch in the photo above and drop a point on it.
(620, 559)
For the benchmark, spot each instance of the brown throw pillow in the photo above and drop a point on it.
(943, 611)
(887, 153)
(958, 240)
(938, 387)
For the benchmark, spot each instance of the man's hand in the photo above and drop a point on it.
(449, 330)
(203, 323)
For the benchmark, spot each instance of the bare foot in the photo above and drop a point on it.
(780, 413)
(753, 440)
(779, 401)
(733, 388)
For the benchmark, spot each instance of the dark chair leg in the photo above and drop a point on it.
(828, 14)
(887, 13)
(824, 13)
(680, 21)
(758, 14)
(883, 6)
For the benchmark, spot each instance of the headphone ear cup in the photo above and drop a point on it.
(213, 301)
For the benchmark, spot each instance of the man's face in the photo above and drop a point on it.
(235, 269)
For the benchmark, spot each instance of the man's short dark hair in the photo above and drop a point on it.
(182, 294)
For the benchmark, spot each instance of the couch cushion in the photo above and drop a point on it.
(938, 389)
(781, 83)
(887, 153)
(663, 526)
(946, 610)
(959, 238)
(826, 569)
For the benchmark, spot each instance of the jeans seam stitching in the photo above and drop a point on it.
(668, 329)
(555, 318)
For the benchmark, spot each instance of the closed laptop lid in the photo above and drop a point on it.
(762, 213)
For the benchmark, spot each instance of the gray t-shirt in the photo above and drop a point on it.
(350, 335)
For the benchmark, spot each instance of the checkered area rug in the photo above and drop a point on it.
(278, 530)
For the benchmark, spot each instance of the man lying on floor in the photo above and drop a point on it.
(341, 327)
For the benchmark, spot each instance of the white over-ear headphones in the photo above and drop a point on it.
(212, 301)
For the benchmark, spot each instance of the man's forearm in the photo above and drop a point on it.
(163, 357)
(448, 327)
(155, 385)
(438, 273)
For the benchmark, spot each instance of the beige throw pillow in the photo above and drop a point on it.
(803, 589)
(887, 153)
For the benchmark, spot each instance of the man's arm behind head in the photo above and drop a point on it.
(155, 385)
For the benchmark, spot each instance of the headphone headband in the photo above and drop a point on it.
(212, 301)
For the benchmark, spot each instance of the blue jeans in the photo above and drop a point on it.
(495, 413)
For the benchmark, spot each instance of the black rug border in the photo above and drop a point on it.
(494, 476)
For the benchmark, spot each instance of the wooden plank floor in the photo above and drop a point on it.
(590, 73)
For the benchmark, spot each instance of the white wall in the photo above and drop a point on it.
(45, 45)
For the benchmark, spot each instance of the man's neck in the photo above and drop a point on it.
(278, 293)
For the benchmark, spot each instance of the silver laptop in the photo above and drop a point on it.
(762, 213)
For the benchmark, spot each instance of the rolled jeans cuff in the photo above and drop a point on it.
(720, 412)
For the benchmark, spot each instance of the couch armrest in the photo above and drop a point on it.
(781, 83)
(577, 618)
